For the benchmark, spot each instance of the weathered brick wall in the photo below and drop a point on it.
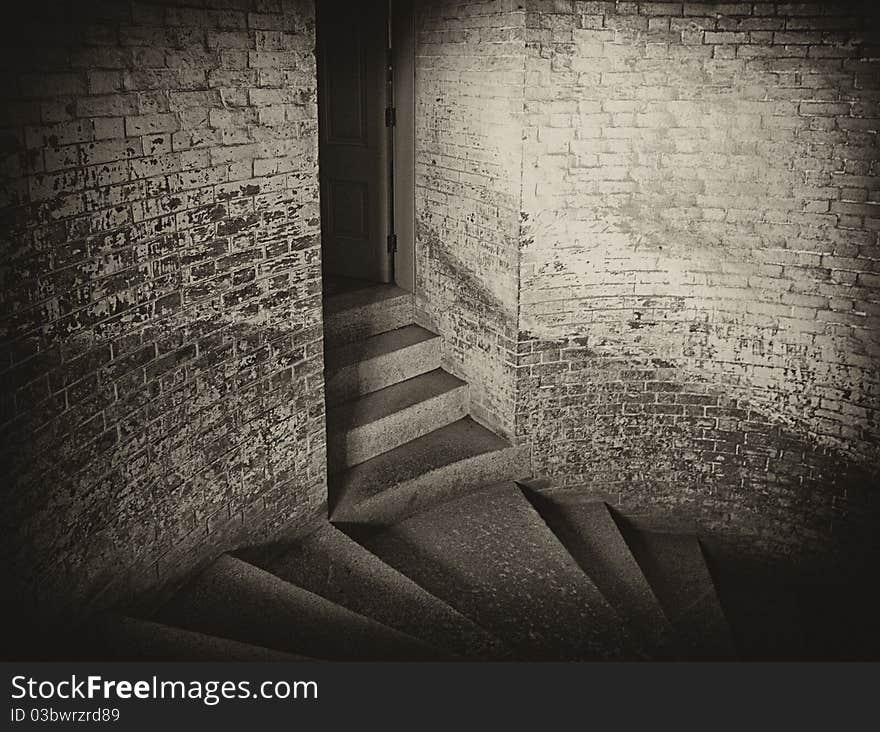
(162, 363)
(469, 71)
(700, 267)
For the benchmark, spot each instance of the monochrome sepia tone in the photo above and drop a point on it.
(440, 329)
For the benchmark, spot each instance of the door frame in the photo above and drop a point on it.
(401, 37)
(403, 149)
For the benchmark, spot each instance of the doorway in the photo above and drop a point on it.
(365, 65)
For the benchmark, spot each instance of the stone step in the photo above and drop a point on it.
(676, 568)
(371, 364)
(458, 458)
(332, 565)
(385, 419)
(354, 315)
(588, 531)
(120, 638)
(490, 556)
(236, 600)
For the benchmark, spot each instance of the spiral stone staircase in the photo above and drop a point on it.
(436, 549)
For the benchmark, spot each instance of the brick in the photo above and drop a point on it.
(116, 105)
(825, 109)
(109, 127)
(725, 37)
(148, 124)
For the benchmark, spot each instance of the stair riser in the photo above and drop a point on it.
(492, 558)
(242, 603)
(362, 322)
(587, 530)
(675, 566)
(350, 447)
(376, 373)
(333, 565)
(437, 486)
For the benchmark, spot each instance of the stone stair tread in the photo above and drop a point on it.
(676, 568)
(418, 459)
(236, 600)
(372, 294)
(123, 638)
(395, 398)
(378, 361)
(588, 531)
(332, 565)
(376, 346)
(355, 315)
(490, 556)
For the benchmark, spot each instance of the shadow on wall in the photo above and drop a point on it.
(468, 131)
(478, 328)
(162, 350)
(209, 436)
(630, 432)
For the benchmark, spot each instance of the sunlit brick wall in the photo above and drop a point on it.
(700, 274)
(469, 85)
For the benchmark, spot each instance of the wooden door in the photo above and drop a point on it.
(354, 140)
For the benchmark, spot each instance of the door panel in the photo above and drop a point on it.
(354, 141)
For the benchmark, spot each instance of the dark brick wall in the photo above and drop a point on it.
(161, 365)
(700, 264)
(469, 86)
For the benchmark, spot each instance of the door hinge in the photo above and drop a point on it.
(392, 243)
(390, 116)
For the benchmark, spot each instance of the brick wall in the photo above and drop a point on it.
(700, 272)
(469, 87)
(161, 363)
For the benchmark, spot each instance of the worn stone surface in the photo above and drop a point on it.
(236, 600)
(371, 364)
(699, 262)
(385, 419)
(455, 459)
(491, 557)
(676, 568)
(352, 316)
(161, 365)
(332, 565)
(589, 533)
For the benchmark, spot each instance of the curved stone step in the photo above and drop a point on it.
(381, 360)
(455, 459)
(489, 555)
(675, 566)
(378, 422)
(236, 600)
(588, 531)
(132, 639)
(332, 565)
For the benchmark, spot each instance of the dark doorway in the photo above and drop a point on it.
(355, 149)
(360, 138)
